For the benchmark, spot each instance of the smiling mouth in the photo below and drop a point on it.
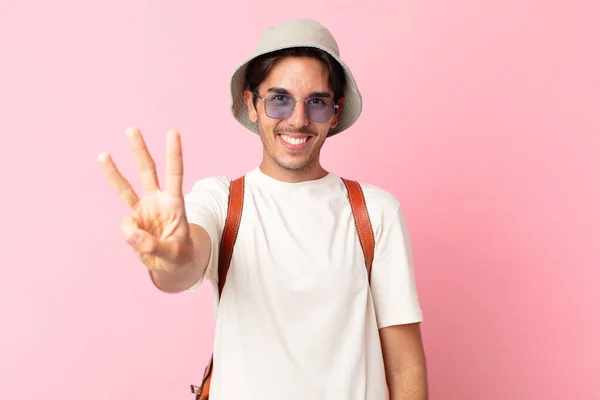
(294, 141)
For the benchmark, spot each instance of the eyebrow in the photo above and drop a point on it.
(279, 90)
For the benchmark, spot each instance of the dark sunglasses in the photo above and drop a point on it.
(281, 106)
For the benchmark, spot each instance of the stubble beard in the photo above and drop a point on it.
(269, 147)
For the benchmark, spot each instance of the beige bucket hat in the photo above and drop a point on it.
(296, 33)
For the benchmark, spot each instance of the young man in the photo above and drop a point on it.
(300, 315)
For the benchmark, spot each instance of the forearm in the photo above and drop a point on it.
(408, 383)
(182, 278)
(179, 280)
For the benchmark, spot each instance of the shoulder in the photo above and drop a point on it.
(379, 200)
(210, 193)
(387, 221)
(384, 208)
(218, 184)
(207, 200)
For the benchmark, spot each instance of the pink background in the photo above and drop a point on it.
(482, 116)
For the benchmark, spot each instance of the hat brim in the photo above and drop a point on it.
(352, 106)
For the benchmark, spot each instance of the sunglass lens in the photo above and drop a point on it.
(320, 111)
(279, 109)
(319, 115)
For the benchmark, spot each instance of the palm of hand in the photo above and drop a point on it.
(161, 216)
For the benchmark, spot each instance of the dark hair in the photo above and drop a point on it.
(259, 68)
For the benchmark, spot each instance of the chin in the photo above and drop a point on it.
(291, 163)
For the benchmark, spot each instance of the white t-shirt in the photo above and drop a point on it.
(297, 319)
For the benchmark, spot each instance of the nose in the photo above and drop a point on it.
(298, 118)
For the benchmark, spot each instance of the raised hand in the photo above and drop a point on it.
(157, 228)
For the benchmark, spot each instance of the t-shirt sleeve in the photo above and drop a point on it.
(206, 206)
(393, 285)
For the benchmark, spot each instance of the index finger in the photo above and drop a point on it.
(121, 186)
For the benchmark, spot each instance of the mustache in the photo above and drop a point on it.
(304, 130)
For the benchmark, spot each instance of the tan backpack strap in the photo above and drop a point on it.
(362, 221)
(230, 231)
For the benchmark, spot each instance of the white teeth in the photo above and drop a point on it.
(294, 141)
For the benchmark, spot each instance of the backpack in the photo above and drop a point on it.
(230, 231)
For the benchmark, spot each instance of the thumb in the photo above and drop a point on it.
(140, 240)
(145, 243)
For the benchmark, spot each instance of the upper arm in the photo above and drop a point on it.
(206, 210)
(393, 284)
(202, 245)
(395, 298)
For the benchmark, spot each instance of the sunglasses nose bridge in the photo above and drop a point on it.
(298, 114)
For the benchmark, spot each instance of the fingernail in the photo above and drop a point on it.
(135, 238)
(131, 132)
(102, 157)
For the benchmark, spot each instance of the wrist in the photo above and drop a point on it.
(176, 279)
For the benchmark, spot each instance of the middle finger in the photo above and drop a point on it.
(144, 160)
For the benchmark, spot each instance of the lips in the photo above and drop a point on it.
(294, 142)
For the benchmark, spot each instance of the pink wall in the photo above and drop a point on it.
(482, 116)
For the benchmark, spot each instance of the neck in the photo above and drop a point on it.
(311, 172)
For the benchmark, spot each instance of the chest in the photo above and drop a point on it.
(303, 245)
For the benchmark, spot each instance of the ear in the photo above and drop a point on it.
(336, 117)
(248, 99)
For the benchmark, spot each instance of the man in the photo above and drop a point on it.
(299, 316)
